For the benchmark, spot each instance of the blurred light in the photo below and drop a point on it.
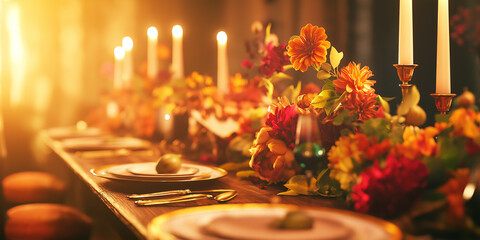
(81, 125)
(268, 109)
(152, 32)
(16, 52)
(119, 53)
(469, 191)
(167, 116)
(127, 43)
(222, 37)
(177, 31)
(112, 109)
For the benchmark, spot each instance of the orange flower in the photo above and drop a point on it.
(463, 121)
(352, 79)
(272, 159)
(308, 49)
(198, 81)
(453, 189)
(418, 143)
(364, 104)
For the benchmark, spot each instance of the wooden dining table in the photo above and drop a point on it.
(135, 219)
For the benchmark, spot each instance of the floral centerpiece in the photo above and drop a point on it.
(379, 164)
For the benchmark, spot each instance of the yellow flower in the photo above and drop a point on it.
(238, 83)
(308, 49)
(197, 80)
(418, 142)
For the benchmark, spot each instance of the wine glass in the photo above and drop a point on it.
(309, 152)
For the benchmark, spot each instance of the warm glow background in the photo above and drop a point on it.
(52, 51)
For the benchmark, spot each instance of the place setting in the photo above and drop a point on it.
(269, 221)
(168, 169)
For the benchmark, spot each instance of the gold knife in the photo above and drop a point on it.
(175, 192)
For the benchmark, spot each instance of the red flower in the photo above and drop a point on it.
(275, 59)
(284, 125)
(389, 191)
(247, 64)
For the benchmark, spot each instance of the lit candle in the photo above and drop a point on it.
(119, 53)
(177, 52)
(443, 48)
(165, 124)
(152, 52)
(405, 35)
(222, 63)
(127, 44)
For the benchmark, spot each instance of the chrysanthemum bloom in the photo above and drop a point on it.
(348, 152)
(275, 59)
(272, 159)
(464, 124)
(198, 81)
(390, 190)
(453, 190)
(353, 79)
(238, 83)
(283, 124)
(418, 144)
(308, 49)
(363, 104)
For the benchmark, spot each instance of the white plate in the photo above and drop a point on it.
(148, 169)
(72, 132)
(123, 171)
(200, 223)
(104, 143)
(205, 173)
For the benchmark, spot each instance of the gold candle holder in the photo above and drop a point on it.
(405, 73)
(443, 101)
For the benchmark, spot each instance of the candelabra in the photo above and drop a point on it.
(443, 101)
(405, 73)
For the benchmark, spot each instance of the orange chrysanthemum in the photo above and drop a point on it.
(365, 105)
(308, 49)
(353, 79)
(418, 143)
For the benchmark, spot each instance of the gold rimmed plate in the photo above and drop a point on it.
(253, 222)
(205, 173)
(104, 143)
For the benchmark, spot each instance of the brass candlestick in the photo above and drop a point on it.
(443, 101)
(405, 73)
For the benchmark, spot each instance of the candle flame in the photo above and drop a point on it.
(152, 32)
(127, 43)
(222, 37)
(119, 53)
(177, 31)
(167, 117)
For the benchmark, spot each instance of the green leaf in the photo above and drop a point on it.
(335, 57)
(320, 101)
(328, 85)
(293, 37)
(288, 193)
(322, 74)
(269, 86)
(236, 166)
(384, 103)
(410, 99)
(328, 187)
(292, 92)
(247, 174)
(299, 185)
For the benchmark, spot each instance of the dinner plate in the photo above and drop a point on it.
(73, 132)
(253, 221)
(149, 169)
(104, 143)
(188, 170)
(205, 173)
